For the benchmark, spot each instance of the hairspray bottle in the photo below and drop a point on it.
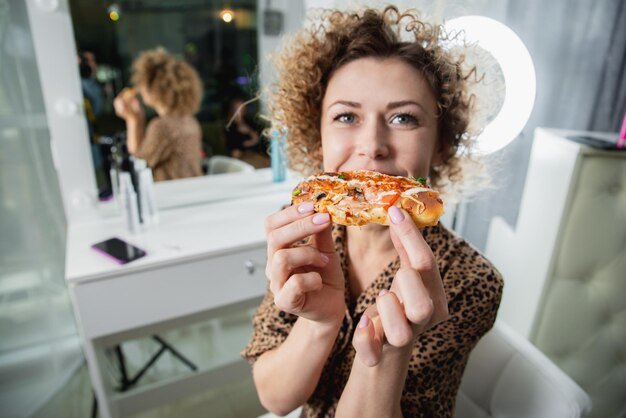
(149, 213)
(278, 156)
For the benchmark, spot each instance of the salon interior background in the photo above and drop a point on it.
(578, 48)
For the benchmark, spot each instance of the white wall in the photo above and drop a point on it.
(293, 16)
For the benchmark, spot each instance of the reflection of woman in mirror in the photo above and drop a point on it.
(370, 321)
(241, 135)
(171, 143)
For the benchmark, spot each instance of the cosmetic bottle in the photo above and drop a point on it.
(146, 192)
(154, 212)
(138, 166)
(278, 156)
(128, 200)
(127, 164)
(115, 185)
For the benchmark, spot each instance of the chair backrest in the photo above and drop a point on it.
(569, 301)
(222, 164)
(506, 376)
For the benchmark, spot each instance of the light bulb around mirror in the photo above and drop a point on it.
(227, 15)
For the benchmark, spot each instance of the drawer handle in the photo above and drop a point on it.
(250, 266)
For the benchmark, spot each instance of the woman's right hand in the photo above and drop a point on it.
(306, 280)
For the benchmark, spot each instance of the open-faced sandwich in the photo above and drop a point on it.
(361, 197)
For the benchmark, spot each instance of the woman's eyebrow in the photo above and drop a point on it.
(346, 103)
(393, 105)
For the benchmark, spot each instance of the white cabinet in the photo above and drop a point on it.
(203, 261)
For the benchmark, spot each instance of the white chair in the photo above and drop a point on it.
(219, 164)
(508, 377)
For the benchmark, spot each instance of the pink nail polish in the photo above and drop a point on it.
(325, 257)
(305, 207)
(383, 292)
(364, 321)
(395, 214)
(321, 218)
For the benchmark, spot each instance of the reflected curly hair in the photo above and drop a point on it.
(173, 83)
(309, 59)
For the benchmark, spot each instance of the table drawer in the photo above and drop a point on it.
(144, 298)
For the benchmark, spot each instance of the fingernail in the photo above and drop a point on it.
(364, 321)
(396, 215)
(305, 207)
(383, 292)
(321, 218)
(324, 257)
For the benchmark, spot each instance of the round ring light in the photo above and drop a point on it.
(518, 72)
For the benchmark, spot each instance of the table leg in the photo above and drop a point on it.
(95, 363)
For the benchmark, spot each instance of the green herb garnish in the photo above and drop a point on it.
(341, 176)
(421, 180)
(296, 192)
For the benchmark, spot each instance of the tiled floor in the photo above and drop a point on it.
(207, 344)
(234, 401)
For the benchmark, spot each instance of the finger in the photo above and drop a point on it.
(287, 260)
(288, 215)
(395, 325)
(364, 341)
(417, 251)
(323, 240)
(289, 234)
(414, 296)
(283, 218)
(292, 297)
(404, 258)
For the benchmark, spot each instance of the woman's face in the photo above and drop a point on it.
(381, 115)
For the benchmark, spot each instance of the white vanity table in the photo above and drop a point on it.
(202, 260)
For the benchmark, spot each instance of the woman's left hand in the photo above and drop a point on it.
(127, 106)
(415, 303)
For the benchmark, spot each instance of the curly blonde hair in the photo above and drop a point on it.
(309, 59)
(173, 83)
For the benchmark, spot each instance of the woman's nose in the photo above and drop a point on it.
(373, 141)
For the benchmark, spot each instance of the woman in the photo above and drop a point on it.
(370, 321)
(171, 144)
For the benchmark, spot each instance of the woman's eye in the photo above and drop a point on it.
(404, 119)
(346, 118)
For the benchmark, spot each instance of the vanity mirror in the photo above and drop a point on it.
(227, 55)
(219, 43)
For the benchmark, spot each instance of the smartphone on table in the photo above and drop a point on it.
(118, 250)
